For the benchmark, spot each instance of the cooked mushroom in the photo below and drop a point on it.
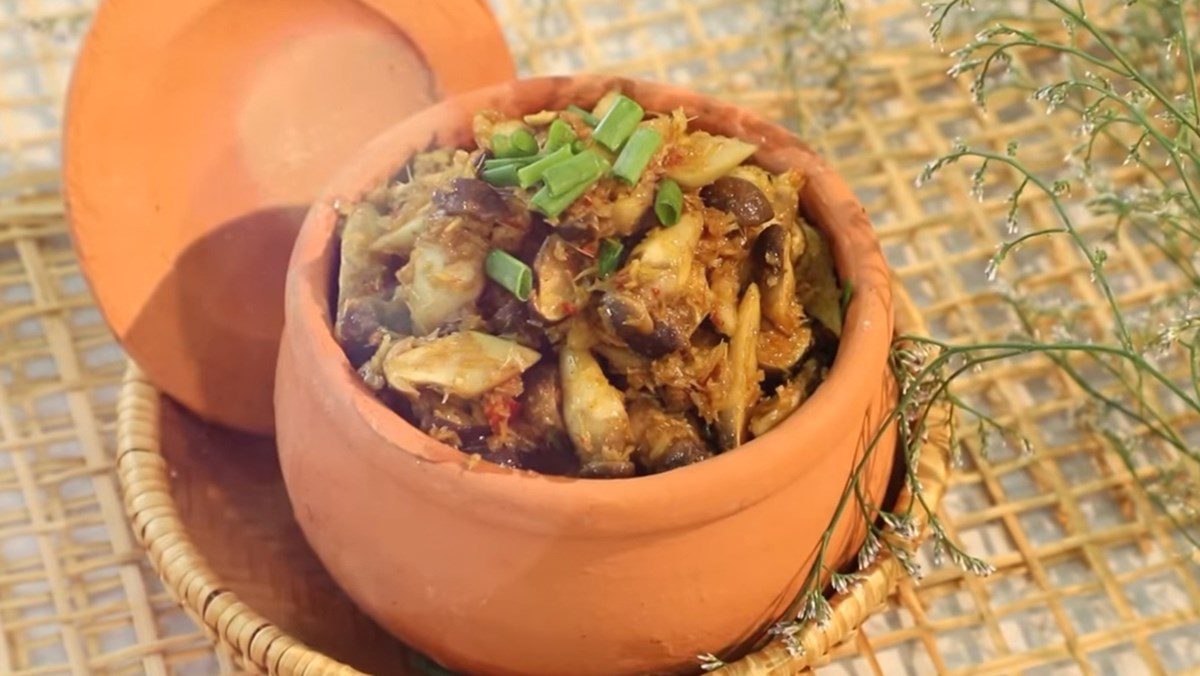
(628, 209)
(662, 262)
(450, 420)
(542, 409)
(787, 398)
(472, 197)
(579, 228)
(644, 308)
(365, 302)
(739, 381)
(663, 441)
(739, 197)
(724, 283)
(772, 259)
(820, 293)
(444, 276)
(706, 157)
(400, 241)
(593, 410)
(628, 317)
(555, 269)
(464, 364)
(785, 196)
(778, 350)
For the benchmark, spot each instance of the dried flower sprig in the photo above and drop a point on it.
(817, 49)
(1127, 74)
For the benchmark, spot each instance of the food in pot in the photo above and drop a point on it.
(600, 293)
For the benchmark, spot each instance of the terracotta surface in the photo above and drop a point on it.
(198, 131)
(494, 570)
(233, 506)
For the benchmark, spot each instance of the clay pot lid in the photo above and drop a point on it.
(197, 133)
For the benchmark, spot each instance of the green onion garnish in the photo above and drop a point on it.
(523, 143)
(560, 134)
(517, 162)
(532, 173)
(609, 256)
(588, 119)
(636, 155)
(501, 146)
(509, 272)
(668, 203)
(579, 145)
(552, 205)
(502, 176)
(618, 123)
(583, 168)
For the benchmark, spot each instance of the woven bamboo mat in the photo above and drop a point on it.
(1087, 578)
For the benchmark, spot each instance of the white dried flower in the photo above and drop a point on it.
(817, 609)
(710, 662)
(844, 583)
(869, 550)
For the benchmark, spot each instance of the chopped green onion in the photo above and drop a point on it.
(560, 134)
(509, 272)
(618, 123)
(517, 162)
(579, 145)
(636, 155)
(552, 205)
(501, 146)
(588, 119)
(609, 256)
(503, 176)
(585, 167)
(605, 103)
(523, 143)
(668, 203)
(532, 173)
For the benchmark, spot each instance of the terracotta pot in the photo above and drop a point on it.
(489, 569)
(199, 131)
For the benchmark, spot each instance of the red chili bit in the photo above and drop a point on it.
(499, 411)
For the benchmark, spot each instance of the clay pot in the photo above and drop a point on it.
(199, 131)
(489, 569)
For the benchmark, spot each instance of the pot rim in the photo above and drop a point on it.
(684, 497)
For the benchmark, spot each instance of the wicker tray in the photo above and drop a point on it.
(209, 506)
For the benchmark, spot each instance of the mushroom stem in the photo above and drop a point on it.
(776, 275)
(741, 376)
(593, 410)
(663, 441)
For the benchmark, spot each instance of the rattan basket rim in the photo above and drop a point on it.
(264, 647)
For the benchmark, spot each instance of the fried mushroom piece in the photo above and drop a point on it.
(444, 277)
(555, 269)
(738, 385)
(785, 400)
(465, 364)
(819, 291)
(365, 303)
(779, 351)
(740, 197)
(704, 157)
(783, 338)
(663, 441)
(656, 301)
(541, 409)
(593, 410)
(776, 277)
